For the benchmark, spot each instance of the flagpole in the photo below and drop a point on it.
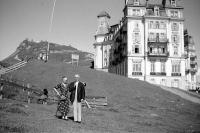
(50, 27)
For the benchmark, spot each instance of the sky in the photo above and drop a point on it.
(74, 22)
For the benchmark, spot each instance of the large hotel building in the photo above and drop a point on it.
(149, 43)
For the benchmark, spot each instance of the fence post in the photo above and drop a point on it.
(1, 91)
(29, 98)
(29, 93)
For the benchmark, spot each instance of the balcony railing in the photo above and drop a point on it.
(158, 54)
(162, 40)
(175, 74)
(158, 73)
(193, 62)
(193, 70)
(193, 56)
(137, 73)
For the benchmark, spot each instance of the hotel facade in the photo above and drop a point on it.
(149, 43)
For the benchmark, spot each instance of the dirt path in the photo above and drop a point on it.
(182, 94)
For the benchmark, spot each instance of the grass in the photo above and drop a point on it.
(133, 105)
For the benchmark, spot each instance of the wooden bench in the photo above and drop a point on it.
(96, 101)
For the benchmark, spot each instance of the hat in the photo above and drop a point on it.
(77, 76)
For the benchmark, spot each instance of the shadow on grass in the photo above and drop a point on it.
(6, 128)
(16, 110)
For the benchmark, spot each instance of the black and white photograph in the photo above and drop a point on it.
(99, 66)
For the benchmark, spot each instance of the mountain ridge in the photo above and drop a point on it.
(29, 49)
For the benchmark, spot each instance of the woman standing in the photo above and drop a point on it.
(63, 103)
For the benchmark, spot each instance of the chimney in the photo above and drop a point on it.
(164, 3)
(147, 3)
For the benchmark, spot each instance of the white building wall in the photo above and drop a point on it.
(98, 52)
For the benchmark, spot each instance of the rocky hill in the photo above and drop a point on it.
(29, 50)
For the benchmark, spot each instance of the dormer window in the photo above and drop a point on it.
(173, 3)
(136, 2)
(156, 11)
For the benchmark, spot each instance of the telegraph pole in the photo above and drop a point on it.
(50, 28)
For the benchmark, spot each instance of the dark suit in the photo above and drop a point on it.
(80, 91)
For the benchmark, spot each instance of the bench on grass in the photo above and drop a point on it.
(96, 101)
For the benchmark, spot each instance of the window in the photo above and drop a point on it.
(136, 27)
(163, 37)
(152, 66)
(157, 25)
(192, 78)
(105, 62)
(157, 37)
(162, 66)
(151, 36)
(136, 2)
(153, 80)
(175, 27)
(136, 12)
(137, 66)
(136, 49)
(174, 14)
(105, 53)
(156, 11)
(151, 25)
(173, 2)
(136, 37)
(175, 83)
(176, 68)
(175, 50)
(163, 82)
(162, 25)
(175, 39)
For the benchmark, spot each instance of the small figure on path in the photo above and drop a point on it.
(1, 91)
(77, 90)
(63, 103)
(44, 97)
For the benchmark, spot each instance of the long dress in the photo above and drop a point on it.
(63, 104)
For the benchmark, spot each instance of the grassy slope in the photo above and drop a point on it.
(133, 105)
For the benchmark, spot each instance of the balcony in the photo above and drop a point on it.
(193, 63)
(150, 13)
(176, 74)
(158, 73)
(166, 54)
(193, 56)
(157, 40)
(193, 70)
(137, 73)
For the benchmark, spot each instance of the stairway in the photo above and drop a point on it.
(13, 67)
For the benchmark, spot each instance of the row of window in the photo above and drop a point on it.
(157, 25)
(156, 12)
(176, 68)
(137, 49)
(162, 25)
(174, 83)
(155, 37)
(137, 2)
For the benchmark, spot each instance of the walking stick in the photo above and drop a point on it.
(87, 104)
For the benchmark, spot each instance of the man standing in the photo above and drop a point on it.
(1, 91)
(77, 90)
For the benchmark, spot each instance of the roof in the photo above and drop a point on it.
(104, 14)
(130, 2)
(159, 3)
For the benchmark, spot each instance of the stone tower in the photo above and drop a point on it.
(102, 31)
